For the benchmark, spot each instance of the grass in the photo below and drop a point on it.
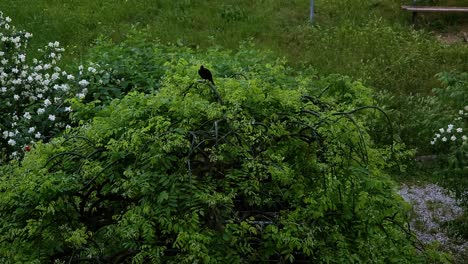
(367, 39)
(197, 23)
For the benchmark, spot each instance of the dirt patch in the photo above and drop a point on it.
(454, 34)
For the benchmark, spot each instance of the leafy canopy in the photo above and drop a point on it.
(277, 166)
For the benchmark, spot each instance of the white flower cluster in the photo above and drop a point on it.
(32, 91)
(452, 133)
(462, 113)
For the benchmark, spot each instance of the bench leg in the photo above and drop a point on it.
(413, 18)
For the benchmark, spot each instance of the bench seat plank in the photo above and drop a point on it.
(435, 9)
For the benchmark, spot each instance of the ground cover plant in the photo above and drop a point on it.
(275, 166)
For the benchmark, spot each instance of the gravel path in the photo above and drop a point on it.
(432, 206)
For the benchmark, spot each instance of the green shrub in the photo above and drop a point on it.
(277, 168)
(138, 65)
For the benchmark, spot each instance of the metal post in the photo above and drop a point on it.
(311, 15)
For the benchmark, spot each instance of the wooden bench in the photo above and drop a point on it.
(434, 9)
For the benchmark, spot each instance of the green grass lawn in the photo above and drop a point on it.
(368, 39)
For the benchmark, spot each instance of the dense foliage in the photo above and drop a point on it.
(270, 165)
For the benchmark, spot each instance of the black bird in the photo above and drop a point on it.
(205, 74)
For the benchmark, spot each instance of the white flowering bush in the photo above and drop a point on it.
(455, 135)
(33, 92)
(451, 144)
(452, 139)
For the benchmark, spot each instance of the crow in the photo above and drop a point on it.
(205, 74)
